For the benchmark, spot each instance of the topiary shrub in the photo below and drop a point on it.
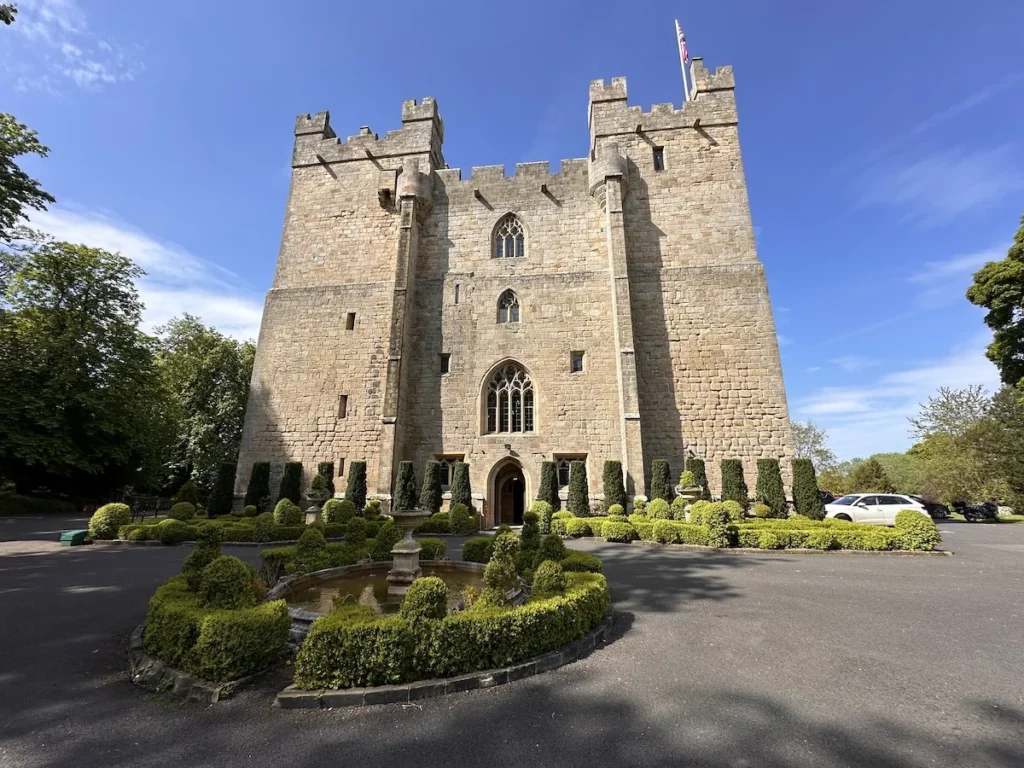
(281, 511)
(355, 489)
(182, 511)
(222, 496)
(404, 495)
(338, 511)
(659, 509)
(697, 510)
(665, 532)
(661, 483)
(549, 579)
(716, 520)
(621, 532)
(762, 511)
(263, 527)
(250, 511)
(734, 487)
(549, 487)
(577, 526)
(426, 598)
(478, 550)
(679, 509)
(806, 497)
(187, 493)
(210, 533)
(700, 477)
(612, 485)
(544, 512)
(326, 470)
(551, 548)
(107, 520)
(227, 583)
(430, 495)
(769, 488)
(578, 499)
(173, 531)
(372, 508)
(194, 565)
(640, 505)
(385, 541)
(355, 531)
(916, 531)
(597, 524)
(139, 533)
(616, 510)
(529, 537)
(734, 510)
(311, 543)
(500, 576)
(291, 482)
(257, 493)
(432, 549)
(687, 480)
(461, 520)
(461, 491)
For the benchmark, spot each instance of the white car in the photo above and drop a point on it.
(877, 508)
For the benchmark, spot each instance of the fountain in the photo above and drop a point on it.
(405, 556)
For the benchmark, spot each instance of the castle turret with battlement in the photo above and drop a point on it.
(614, 309)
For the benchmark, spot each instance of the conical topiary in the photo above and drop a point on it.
(355, 488)
(404, 497)
(806, 497)
(257, 493)
(614, 489)
(291, 482)
(461, 491)
(578, 501)
(430, 496)
(223, 493)
(769, 488)
(549, 485)
(700, 477)
(661, 481)
(734, 487)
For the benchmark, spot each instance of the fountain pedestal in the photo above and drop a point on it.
(405, 556)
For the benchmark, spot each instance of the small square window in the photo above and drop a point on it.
(575, 362)
(342, 406)
(445, 362)
(350, 321)
(659, 158)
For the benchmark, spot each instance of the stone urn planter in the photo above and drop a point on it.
(316, 496)
(405, 556)
(689, 494)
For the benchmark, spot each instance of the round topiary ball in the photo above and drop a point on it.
(106, 521)
(311, 542)
(173, 531)
(250, 511)
(551, 548)
(227, 583)
(549, 579)
(734, 510)
(616, 509)
(659, 509)
(426, 598)
(194, 565)
(917, 531)
(355, 531)
(183, 510)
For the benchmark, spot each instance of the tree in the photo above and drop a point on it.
(999, 288)
(355, 488)
(769, 488)
(18, 191)
(806, 497)
(661, 481)
(870, 476)
(461, 491)
(208, 375)
(291, 482)
(404, 498)
(700, 477)
(614, 489)
(257, 493)
(907, 471)
(578, 500)
(734, 487)
(430, 496)
(549, 485)
(7, 13)
(951, 411)
(811, 442)
(82, 406)
(223, 494)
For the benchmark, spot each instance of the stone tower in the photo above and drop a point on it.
(615, 309)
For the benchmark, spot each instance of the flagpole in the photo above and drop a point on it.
(682, 62)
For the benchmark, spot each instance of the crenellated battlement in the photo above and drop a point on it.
(537, 172)
(422, 133)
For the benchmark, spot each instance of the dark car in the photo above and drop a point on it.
(935, 509)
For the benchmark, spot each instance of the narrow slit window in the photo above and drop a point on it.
(350, 321)
(342, 406)
(445, 362)
(457, 286)
(659, 158)
(576, 362)
(341, 467)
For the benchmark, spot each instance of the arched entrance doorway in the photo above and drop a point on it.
(509, 494)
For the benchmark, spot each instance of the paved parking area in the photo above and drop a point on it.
(718, 660)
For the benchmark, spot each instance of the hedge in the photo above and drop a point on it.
(734, 487)
(769, 490)
(222, 496)
(107, 521)
(477, 550)
(352, 649)
(355, 489)
(430, 495)
(549, 487)
(612, 485)
(461, 491)
(806, 497)
(291, 482)
(578, 497)
(661, 481)
(257, 493)
(211, 643)
(232, 530)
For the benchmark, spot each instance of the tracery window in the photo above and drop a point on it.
(509, 238)
(508, 307)
(510, 400)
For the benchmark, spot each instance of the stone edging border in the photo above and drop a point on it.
(154, 675)
(759, 551)
(294, 698)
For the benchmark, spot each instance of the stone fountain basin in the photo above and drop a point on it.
(299, 591)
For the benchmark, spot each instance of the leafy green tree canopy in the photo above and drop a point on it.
(18, 191)
(811, 442)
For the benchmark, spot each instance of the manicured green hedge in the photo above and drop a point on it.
(107, 520)
(232, 530)
(352, 650)
(478, 550)
(211, 643)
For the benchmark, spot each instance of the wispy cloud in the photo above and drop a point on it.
(853, 363)
(783, 339)
(945, 184)
(872, 418)
(175, 282)
(51, 43)
(943, 282)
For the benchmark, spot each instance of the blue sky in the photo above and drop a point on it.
(881, 141)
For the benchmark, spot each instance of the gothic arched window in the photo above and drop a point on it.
(510, 400)
(509, 238)
(508, 307)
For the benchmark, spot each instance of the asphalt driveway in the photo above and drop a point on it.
(718, 660)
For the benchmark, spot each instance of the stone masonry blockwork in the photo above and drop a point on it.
(651, 273)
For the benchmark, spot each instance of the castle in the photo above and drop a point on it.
(615, 309)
